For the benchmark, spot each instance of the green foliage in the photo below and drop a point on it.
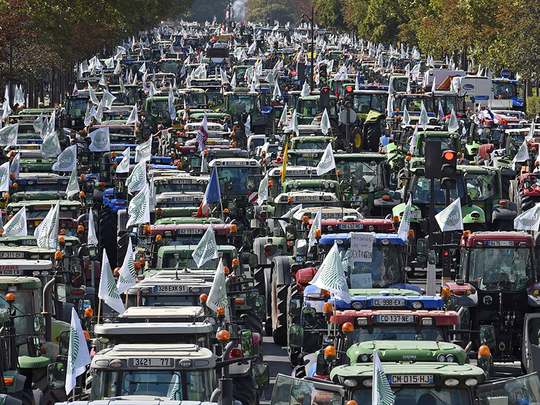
(205, 10)
(533, 106)
(261, 10)
(329, 14)
(47, 33)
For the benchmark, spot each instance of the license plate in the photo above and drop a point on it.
(411, 379)
(389, 302)
(297, 173)
(151, 362)
(501, 243)
(416, 214)
(183, 199)
(181, 181)
(351, 226)
(171, 288)
(190, 231)
(395, 318)
(306, 198)
(8, 272)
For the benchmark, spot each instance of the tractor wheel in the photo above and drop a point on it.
(293, 352)
(243, 391)
(258, 280)
(525, 202)
(279, 312)
(27, 397)
(107, 235)
(357, 139)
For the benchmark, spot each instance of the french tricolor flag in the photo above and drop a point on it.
(211, 195)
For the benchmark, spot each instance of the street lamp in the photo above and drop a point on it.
(312, 47)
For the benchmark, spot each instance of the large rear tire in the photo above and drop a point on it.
(279, 311)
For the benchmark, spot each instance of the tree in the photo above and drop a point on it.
(262, 10)
(205, 10)
(329, 15)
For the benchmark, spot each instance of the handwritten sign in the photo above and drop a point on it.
(361, 247)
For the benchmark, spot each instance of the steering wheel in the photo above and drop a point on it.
(495, 276)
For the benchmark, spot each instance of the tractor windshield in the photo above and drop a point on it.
(383, 270)
(499, 268)
(396, 332)
(237, 180)
(361, 176)
(363, 103)
(193, 385)
(481, 186)
(421, 193)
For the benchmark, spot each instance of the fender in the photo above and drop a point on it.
(507, 212)
(282, 268)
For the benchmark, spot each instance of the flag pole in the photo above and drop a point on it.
(99, 310)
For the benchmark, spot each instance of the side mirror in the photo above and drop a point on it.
(421, 247)
(259, 306)
(260, 376)
(526, 184)
(83, 306)
(57, 375)
(295, 307)
(487, 336)
(253, 261)
(61, 292)
(295, 336)
(246, 341)
(33, 346)
(322, 366)
(63, 342)
(290, 231)
(310, 317)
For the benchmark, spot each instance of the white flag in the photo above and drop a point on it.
(528, 220)
(424, 119)
(47, 232)
(51, 145)
(100, 140)
(327, 161)
(92, 238)
(217, 297)
(15, 165)
(522, 155)
(331, 276)
(172, 109)
(139, 207)
(133, 117)
(67, 160)
(325, 122)
(143, 152)
(90, 112)
(450, 219)
(206, 249)
(283, 119)
(123, 167)
(305, 90)
(137, 178)
(127, 274)
(107, 99)
(107, 287)
(16, 226)
(73, 184)
(78, 355)
(381, 393)
(262, 193)
(405, 223)
(92, 94)
(294, 123)
(317, 224)
(406, 117)
(453, 124)
(4, 177)
(38, 124)
(8, 135)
